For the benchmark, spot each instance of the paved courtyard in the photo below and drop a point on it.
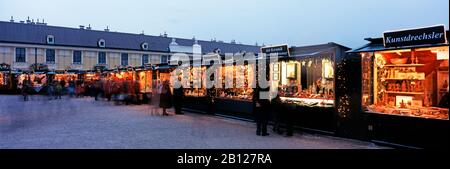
(84, 123)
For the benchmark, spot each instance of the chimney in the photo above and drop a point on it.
(28, 20)
(12, 19)
(165, 34)
(89, 27)
(81, 26)
(107, 29)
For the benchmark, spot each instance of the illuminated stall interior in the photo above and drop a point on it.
(4, 79)
(67, 77)
(306, 81)
(145, 81)
(37, 80)
(408, 82)
(195, 80)
(91, 76)
(238, 81)
(122, 76)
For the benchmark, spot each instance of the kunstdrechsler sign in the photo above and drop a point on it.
(281, 50)
(414, 37)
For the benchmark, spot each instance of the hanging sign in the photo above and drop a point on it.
(281, 50)
(415, 37)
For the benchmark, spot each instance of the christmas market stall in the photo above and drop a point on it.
(35, 77)
(195, 92)
(5, 79)
(145, 76)
(305, 77)
(236, 82)
(404, 87)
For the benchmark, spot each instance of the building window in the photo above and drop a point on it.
(144, 46)
(101, 57)
(124, 59)
(101, 43)
(164, 59)
(50, 39)
(77, 57)
(50, 56)
(144, 59)
(20, 55)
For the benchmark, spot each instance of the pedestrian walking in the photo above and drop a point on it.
(165, 98)
(155, 98)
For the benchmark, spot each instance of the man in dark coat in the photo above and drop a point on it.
(178, 94)
(261, 110)
(210, 96)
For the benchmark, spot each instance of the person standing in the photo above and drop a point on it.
(165, 98)
(178, 95)
(63, 85)
(58, 90)
(26, 87)
(277, 111)
(261, 110)
(71, 88)
(50, 89)
(211, 94)
(282, 114)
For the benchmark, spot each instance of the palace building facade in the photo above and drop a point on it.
(26, 44)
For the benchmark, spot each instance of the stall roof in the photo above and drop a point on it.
(304, 52)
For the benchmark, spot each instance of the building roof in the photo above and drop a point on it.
(13, 32)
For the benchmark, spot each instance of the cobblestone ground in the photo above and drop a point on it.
(83, 123)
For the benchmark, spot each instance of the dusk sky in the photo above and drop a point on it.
(295, 22)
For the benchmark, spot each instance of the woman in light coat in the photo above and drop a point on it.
(156, 91)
